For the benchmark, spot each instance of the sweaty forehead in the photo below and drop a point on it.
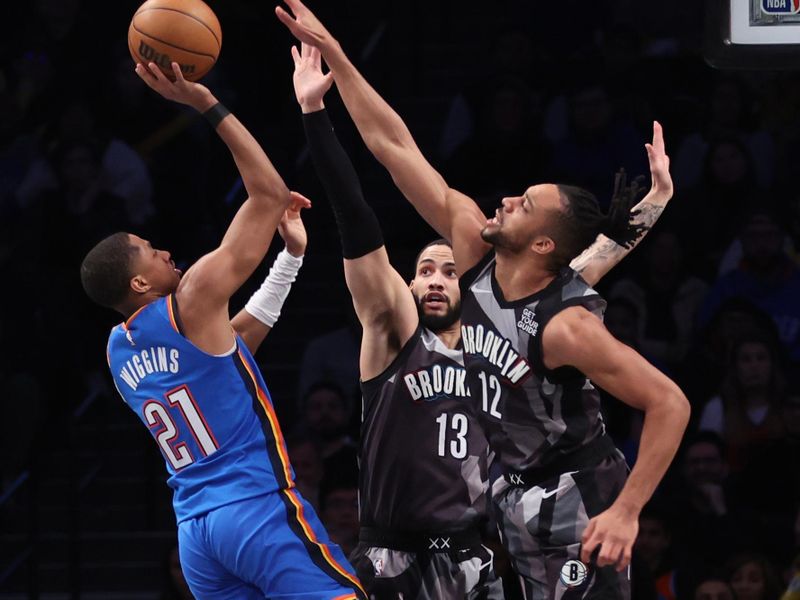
(545, 195)
(438, 254)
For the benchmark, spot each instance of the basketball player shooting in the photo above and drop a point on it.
(533, 340)
(186, 369)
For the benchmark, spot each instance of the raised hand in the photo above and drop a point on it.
(659, 163)
(291, 227)
(190, 93)
(304, 25)
(310, 85)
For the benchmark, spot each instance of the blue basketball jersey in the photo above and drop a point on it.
(211, 416)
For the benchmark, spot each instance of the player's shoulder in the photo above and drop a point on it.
(570, 330)
(481, 267)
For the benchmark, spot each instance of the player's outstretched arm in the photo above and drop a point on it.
(604, 254)
(262, 311)
(382, 301)
(205, 289)
(577, 338)
(455, 216)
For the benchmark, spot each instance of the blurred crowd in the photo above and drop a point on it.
(712, 297)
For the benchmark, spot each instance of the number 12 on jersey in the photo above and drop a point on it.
(490, 387)
(167, 436)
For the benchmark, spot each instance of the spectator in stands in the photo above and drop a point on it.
(746, 413)
(666, 298)
(731, 112)
(333, 357)
(308, 468)
(326, 417)
(507, 150)
(713, 588)
(709, 523)
(707, 362)
(339, 511)
(766, 276)
(654, 547)
(726, 194)
(753, 577)
(599, 141)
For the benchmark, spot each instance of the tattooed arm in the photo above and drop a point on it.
(604, 254)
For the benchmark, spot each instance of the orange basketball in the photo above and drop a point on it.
(183, 31)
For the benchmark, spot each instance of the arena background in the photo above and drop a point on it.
(499, 96)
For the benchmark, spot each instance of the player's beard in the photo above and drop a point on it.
(438, 323)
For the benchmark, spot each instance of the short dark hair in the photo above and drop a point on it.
(581, 221)
(436, 242)
(106, 270)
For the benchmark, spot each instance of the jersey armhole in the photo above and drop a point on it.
(370, 385)
(564, 373)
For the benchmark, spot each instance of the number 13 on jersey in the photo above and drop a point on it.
(170, 436)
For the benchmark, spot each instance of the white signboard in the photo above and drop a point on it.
(765, 22)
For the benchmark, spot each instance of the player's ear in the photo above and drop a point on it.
(139, 284)
(543, 244)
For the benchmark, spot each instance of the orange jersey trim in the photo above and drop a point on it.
(126, 324)
(326, 553)
(171, 313)
(273, 421)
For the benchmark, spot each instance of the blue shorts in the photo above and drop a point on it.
(273, 546)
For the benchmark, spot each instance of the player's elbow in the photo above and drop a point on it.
(677, 405)
(273, 194)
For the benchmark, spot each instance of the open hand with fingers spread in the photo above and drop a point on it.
(310, 85)
(291, 227)
(186, 92)
(304, 25)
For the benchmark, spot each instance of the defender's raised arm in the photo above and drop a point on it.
(453, 215)
(381, 298)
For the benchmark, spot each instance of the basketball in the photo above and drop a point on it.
(183, 31)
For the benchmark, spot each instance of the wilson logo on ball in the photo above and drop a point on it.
(186, 32)
(150, 54)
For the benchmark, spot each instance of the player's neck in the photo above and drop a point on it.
(451, 336)
(520, 276)
(130, 308)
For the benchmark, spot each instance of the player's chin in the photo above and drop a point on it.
(490, 233)
(436, 311)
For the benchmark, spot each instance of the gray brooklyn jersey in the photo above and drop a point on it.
(423, 456)
(532, 415)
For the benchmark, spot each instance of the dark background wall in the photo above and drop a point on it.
(499, 96)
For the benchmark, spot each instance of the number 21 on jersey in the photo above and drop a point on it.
(168, 435)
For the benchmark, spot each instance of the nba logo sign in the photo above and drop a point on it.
(780, 7)
(573, 573)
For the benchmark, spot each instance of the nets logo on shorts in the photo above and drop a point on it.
(573, 573)
(378, 566)
(780, 7)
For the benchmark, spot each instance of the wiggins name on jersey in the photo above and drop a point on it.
(211, 416)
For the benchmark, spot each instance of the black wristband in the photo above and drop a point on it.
(216, 113)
